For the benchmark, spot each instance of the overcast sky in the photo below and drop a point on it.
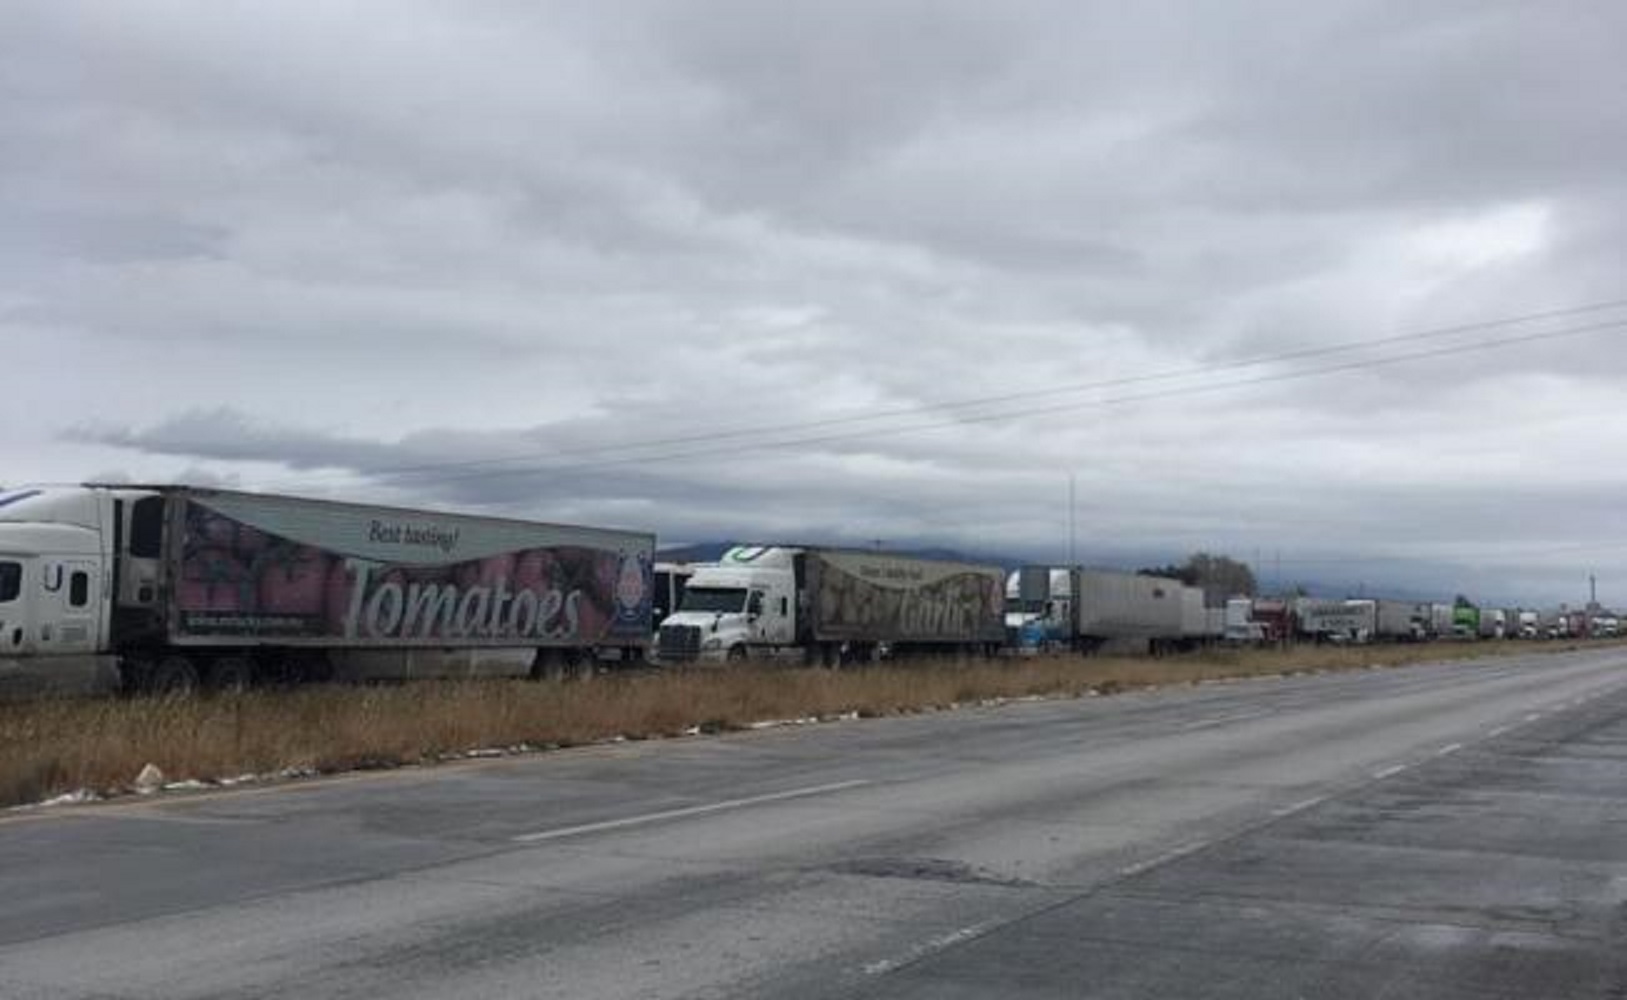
(715, 269)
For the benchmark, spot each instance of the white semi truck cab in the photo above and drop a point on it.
(743, 605)
(77, 566)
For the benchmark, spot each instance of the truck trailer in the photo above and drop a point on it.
(833, 605)
(1401, 621)
(168, 587)
(1349, 621)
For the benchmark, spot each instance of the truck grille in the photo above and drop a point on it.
(679, 643)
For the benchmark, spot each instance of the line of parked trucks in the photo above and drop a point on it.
(109, 587)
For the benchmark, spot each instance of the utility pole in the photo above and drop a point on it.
(1073, 541)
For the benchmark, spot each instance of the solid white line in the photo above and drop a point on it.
(1165, 858)
(1299, 806)
(926, 948)
(710, 807)
(1448, 748)
(1391, 771)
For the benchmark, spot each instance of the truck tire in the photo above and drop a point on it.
(231, 674)
(582, 664)
(172, 675)
(736, 654)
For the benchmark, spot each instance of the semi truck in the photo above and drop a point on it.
(1039, 610)
(833, 605)
(170, 587)
(1090, 610)
(1465, 621)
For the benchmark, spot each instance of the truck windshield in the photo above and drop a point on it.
(714, 599)
(11, 581)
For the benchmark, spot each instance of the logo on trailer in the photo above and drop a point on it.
(633, 588)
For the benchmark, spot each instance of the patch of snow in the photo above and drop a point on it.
(191, 784)
(78, 796)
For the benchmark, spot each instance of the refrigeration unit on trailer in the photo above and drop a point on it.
(670, 580)
(834, 605)
(164, 587)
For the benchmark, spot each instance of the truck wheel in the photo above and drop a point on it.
(173, 675)
(582, 664)
(736, 654)
(231, 673)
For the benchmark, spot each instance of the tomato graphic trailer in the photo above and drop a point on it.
(202, 585)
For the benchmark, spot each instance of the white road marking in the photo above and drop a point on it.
(701, 810)
(1500, 730)
(927, 947)
(1534, 716)
(1165, 858)
(1448, 748)
(1221, 720)
(1299, 806)
(1390, 772)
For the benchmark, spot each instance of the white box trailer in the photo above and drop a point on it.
(1338, 621)
(1130, 611)
(1400, 621)
(165, 587)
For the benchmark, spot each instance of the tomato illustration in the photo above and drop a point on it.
(295, 583)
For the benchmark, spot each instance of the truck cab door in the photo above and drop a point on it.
(779, 618)
(68, 611)
(757, 618)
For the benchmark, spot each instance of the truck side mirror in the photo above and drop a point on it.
(754, 606)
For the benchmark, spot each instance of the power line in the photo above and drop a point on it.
(975, 402)
(1275, 377)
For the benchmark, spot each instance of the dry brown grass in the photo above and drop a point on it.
(51, 747)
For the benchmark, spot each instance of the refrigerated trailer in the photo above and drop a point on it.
(166, 587)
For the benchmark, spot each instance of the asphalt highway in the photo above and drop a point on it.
(1440, 831)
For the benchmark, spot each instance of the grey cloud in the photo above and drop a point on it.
(303, 249)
